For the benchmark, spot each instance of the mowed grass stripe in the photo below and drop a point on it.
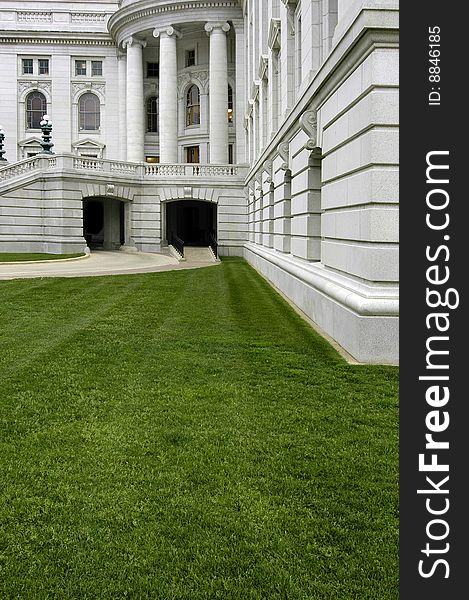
(191, 437)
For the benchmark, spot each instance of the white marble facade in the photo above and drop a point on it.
(284, 113)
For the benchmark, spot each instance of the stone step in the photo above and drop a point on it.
(198, 254)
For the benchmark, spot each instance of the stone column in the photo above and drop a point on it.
(168, 125)
(218, 92)
(240, 108)
(135, 102)
(122, 74)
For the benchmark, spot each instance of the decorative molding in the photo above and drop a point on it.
(290, 5)
(212, 25)
(255, 90)
(199, 77)
(283, 151)
(309, 124)
(258, 179)
(33, 16)
(29, 144)
(87, 86)
(88, 145)
(61, 39)
(128, 14)
(274, 34)
(263, 66)
(25, 87)
(268, 168)
(133, 41)
(83, 17)
(169, 31)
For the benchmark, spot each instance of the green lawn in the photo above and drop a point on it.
(21, 256)
(185, 435)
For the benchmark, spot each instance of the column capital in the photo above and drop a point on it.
(133, 41)
(169, 31)
(212, 25)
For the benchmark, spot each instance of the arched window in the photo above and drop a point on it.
(193, 106)
(89, 113)
(36, 108)
(152, 114)
(230, 104)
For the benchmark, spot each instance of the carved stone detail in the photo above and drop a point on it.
(268, 168)
(283, 150)
(169, 31)
(309, 123)
(133, 41)
(81, 86)
(198, 77)
(24, 87)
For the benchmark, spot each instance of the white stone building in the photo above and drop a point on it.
(270, 126)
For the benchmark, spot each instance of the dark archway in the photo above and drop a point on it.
(193, 221)
(103, 223)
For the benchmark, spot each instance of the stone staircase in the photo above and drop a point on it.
(199, 254)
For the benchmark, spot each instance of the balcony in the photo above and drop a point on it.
(69, 164)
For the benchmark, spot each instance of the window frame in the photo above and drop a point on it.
(230, 98)
(83, 61)
(29, 112)
(82, 113)
(156, 66)
(96, 63)
(46, 63)
(189, 55)
(152, 115)
(193, 117)
(23, 65)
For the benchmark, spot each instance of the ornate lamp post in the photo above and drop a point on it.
(46, 127)
(2, 151)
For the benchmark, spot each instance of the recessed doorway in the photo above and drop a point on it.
(192, 221)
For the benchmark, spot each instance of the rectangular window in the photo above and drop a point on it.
(153, 69)
(27, 66)
(43, 66)
(190, 58)
(192, 154)
(96, 68)
(230, 154)
(80, 67)
(152, 159)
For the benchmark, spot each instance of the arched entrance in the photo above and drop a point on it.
(103, 223)
(193, 221)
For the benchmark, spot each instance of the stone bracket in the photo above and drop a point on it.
(309, 124)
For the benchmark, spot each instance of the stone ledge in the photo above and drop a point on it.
(361, 299)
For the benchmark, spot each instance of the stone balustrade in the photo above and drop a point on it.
(142, 171)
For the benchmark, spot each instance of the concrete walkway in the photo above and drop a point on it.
(98, 263)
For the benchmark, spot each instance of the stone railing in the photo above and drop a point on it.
(20, 168)
(142, 171)
(190, 170)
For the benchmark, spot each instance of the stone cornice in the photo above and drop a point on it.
(145, 9)
(57, 39)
